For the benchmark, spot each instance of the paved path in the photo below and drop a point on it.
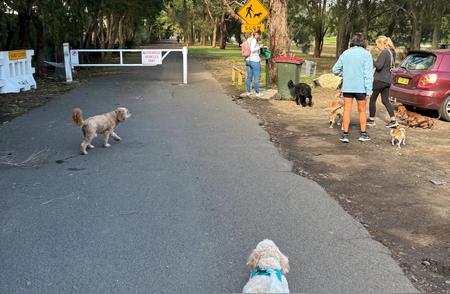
(176, 207)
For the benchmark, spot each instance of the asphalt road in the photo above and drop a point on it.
(177, 206)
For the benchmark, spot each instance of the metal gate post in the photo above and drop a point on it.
(67, 63)
(185, 55)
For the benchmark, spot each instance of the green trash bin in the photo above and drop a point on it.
(288, 68)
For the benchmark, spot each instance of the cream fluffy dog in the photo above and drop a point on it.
(99, 124)
(269, 267)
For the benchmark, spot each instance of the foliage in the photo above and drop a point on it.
(45, 24)
(408, 22)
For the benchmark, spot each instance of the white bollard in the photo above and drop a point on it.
(67, 63)
(185, 65)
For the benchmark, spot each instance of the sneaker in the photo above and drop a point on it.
(344, 138)
(249, 94)
(258, 95)
(371, 123)
(364, 137)
(392, 124)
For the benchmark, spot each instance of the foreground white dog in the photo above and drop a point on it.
(269, 267)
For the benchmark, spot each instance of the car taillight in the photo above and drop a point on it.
(427, 80)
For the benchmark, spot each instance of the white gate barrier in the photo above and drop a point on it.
(149, 57)
(16, 72)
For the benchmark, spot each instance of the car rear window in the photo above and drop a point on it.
(419, 61)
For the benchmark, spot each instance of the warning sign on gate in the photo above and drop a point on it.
(74, 57)
(17, 54)
(151, 57)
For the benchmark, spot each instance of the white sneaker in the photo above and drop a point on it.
(249, 94)
(258, 94)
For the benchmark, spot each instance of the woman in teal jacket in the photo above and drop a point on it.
(355, 66)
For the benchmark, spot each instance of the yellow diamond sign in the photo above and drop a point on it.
(253, 12)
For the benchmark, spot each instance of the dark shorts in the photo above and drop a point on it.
(357, 96)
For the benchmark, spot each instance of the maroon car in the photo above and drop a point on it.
(423, 80)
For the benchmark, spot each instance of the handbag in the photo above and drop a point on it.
(391, 66)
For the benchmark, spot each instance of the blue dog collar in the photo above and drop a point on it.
(266, 272)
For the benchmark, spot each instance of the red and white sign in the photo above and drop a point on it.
(151, 57)
(74, 57)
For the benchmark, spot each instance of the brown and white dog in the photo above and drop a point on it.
(99, 124)
(269, 267)
(413, 119)
(398, 136)
(336, 110)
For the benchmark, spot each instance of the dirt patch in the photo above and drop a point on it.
(389, 190)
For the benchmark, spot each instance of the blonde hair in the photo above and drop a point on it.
(386, 41)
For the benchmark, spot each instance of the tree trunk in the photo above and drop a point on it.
(439, 7)
(237, 36)
(38, 41)
(416, 31)
(318, 44)
(223, 32)
(365, 7)
(112, 30)
(437, 12)
(122, 33)
(342, 39)
(436, 35)
(365, 24)
(319, 27)
(9, 39)
(416, 24)
(24, 20)
(203, 39)
(277, 29)
(192, 35)
(214, 33)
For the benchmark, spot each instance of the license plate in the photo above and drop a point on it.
(403, 81)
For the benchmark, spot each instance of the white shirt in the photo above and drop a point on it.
(254, 50)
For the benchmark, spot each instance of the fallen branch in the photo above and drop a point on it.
(34, 160)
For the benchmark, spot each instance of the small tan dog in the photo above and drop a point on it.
(336, 110)
(398, 136)
(99, 124)
(269, 267)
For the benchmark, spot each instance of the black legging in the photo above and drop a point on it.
(383, 88)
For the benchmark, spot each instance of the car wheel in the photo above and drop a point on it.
(444, 111)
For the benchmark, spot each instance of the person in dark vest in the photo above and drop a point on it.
(382, 80)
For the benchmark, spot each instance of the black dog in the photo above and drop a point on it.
(301, 92)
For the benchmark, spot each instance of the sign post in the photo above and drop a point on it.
(67, 65)
(185, 65)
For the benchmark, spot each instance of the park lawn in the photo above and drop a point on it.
(220, 61)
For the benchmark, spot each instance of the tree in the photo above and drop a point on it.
(342, 12)
(214, 11)
(313, 16)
